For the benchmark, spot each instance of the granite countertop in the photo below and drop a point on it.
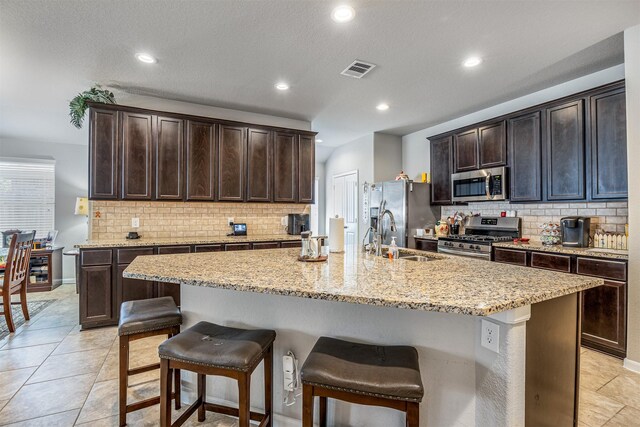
(448, 284)
(559, 249)
(167, 241)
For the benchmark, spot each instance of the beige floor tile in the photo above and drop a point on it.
(21, 358)
(624, 388)
(29, 338)
(141, 352)
(627, 417)
(596, 409)
(47, 398)
(597, 369)
(53, 321)
(86, 340)
(103, 399)
(70, 365)
(11, 381)
(63, 419)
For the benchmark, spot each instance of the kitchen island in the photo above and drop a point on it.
(437, 306)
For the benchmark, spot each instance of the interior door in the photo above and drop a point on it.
(345, 204)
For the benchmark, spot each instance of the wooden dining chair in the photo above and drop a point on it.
(16, 276)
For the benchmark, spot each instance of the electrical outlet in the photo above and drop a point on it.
(284, 221)
(135, 222)
(289, 370)
(230, 221)
(490, 336)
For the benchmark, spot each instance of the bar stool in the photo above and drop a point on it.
(210, 349)
(365, 374)
(141, 319)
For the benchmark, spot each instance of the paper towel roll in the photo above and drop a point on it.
(336, 234)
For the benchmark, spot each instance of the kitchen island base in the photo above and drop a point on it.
(531, 381)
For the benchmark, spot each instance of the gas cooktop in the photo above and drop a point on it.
(477, 238)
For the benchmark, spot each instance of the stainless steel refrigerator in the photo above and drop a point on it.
(410, 203)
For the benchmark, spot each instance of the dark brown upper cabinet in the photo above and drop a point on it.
(103, 154)
(169, 158)
(441, 168)
(608, 145)
(285, 163)
(232, 146)
(200, 156)
(492, 145)
(525, 147)
(466, 150)
(565, 151)
(137, 156)
(259, 165)
(306, 168)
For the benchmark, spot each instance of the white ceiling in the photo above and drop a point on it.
(229, 53)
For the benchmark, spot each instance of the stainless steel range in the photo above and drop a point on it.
(480, 233)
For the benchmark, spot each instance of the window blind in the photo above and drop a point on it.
(27, 195)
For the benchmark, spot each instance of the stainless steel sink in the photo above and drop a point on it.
(418, 258)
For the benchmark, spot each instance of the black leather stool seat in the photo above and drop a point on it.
(148, 315)
(391, 372)
(208, 344)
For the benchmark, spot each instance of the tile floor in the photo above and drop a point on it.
(51, 374)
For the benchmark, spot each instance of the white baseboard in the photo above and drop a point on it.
(69, 281)
(631, 365)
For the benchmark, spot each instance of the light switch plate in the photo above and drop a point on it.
(230, 221)
(490, 336)
(135, 222)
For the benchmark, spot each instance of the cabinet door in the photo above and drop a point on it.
(169, 290)
(604, 312)
(103, 154)
(306, 168)
(441, 167)
(133, 289)
(492, 145)
(259, 165)
(231, 163)
(137, 156)
(565, 152)
(609, 145)
(97, 299)
(200, 160)
(169, 158)
(285, 167)
(525, 158)
(466, 150)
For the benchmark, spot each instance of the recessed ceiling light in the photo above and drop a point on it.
(282, 86)
(318, 140)
(472, 61)
(146, 58)
(382, 107)
(343, 13)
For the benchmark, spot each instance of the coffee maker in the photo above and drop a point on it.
(575, 231)
(297, 223)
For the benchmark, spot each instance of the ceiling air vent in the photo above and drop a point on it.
(358, 69)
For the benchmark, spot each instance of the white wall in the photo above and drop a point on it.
(387, 156)
(632, 74)
(356, 155)
(415, 148)
(71, 182)
(321, 197)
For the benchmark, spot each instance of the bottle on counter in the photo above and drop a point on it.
(393, 249)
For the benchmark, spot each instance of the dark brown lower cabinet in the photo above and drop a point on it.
(103, 289)
(604, 318)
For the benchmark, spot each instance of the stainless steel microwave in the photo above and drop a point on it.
(480, 185)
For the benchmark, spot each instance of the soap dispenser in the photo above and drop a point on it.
(393, 249)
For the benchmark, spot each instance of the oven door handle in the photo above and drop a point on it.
(454, 252)
(487, 186)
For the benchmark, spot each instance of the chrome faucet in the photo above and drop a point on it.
(377, 237)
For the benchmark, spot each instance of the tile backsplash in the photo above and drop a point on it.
(112, 219)
(608, 216)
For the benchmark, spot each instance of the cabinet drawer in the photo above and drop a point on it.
(125, 256)
(164, 250)
(208, 248)
(616, 270)
(291, 244)
(96, 257)
(237, 246)
(510, 256)
(266, 245)
(551, 262)
(427, 245)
